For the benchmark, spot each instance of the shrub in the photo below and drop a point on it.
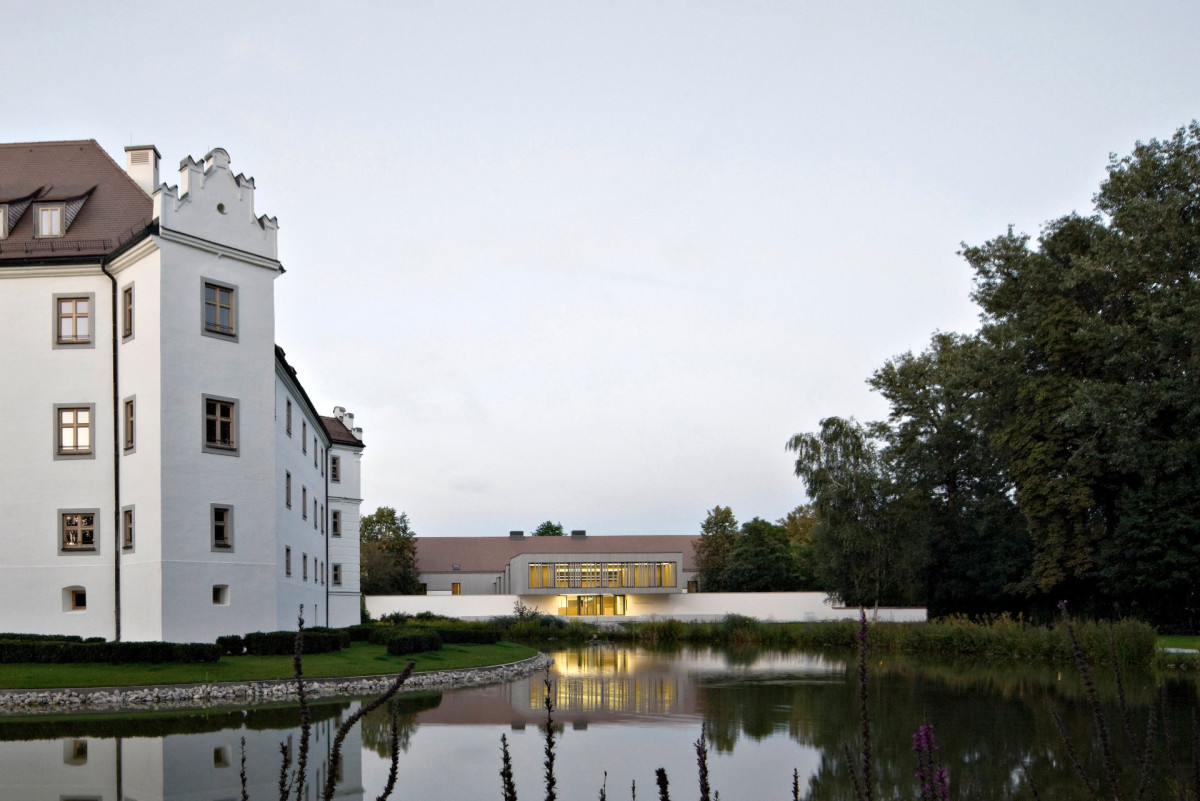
(277, 643)
(118, 653)
(413, 641)
(232, 644)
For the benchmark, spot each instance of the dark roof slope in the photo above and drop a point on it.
(492, 554)
(114, 211)
(339, 433)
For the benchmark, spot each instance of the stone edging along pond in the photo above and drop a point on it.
(250, 693)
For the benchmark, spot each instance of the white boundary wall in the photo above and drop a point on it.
(776, 606)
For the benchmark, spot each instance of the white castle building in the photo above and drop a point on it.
(165, 475)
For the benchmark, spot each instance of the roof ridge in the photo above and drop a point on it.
(54, 142)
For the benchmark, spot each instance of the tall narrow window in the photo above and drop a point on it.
(79, 531)
(336, 523)
(127, 312)
(289, 418)
(75, 431)
(129, 431)
(456, 588)
(314, 513)
(222, 527)
(304, 437)
(335, 469)
(314, 451)
(287, 490)
(74, 321)
(337, 575)
(220, 424)
(127, 529)
(304, 502)
(304, 567)
(287, 560)
(219, 311)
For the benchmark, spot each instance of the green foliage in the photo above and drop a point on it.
(549, 529)
(714, 549)
(316, 641)
(232, 645)
(867, 546)
(758, 557)
(1053, 453)
(48, 651)
(413, 641)
(388, 554)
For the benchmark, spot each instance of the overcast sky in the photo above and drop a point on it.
(596, 262)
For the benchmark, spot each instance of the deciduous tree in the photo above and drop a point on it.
(388, 554)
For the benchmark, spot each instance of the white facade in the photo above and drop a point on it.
(186, 507)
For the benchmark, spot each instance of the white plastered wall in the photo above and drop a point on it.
(36, 376)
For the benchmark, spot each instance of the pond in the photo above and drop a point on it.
(626, 711)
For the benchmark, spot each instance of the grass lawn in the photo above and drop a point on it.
(1178, 641)
(360, 659)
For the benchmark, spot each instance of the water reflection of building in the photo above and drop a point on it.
(175, 767)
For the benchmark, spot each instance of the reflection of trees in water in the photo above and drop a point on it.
(988, 722)
(376, 726)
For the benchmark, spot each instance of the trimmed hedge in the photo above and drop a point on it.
(276, 643)
(42, 637)
(117, 653)
(232, 645)
(413, 641)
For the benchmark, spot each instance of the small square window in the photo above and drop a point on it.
(221, 756)
(335, 469)
(220, 425)
(49, 221)
(75, 752)
(79, 599)
(220, 313)
(79, 531)
(222, 527)
(220, 595)
(74, 320)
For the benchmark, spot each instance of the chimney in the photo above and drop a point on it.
(578, 534)
(348, 420)
(141, 162)
(516, 535)
(339, 412)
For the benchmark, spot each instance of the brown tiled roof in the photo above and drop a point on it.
(339, 433)
(492, 554)
(115, 212)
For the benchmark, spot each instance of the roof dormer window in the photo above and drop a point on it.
(49, 220)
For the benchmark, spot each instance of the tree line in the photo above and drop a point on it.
(1054, 453)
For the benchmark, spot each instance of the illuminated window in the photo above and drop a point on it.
(456, 589)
